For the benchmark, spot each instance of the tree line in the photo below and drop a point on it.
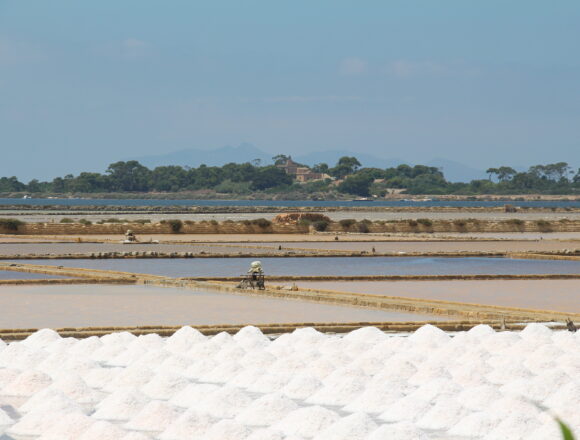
(347, 176)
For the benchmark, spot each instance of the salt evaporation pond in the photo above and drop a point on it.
(13, 275)
(304, 385)
(327, 266)
(60, 306)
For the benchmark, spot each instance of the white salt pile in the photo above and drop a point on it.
(267, 410)
(307, 422)
(301, 386)
(156, 416)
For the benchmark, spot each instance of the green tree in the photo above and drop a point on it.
(280, 159)
(129, 176)
(346, 165)
(269, 177)
(359, 184)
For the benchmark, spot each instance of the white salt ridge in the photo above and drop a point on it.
(175, 363)
(474, 425)
(100, 377)
(443, 415)
(118, 338)
(479, 398)
(130, 377)
(41, 338)
(75, 388)
(270, 383)
(7, 375)
(340, 393)
(408, 408)
(251, 337)
(68, 427)
(354, 427)
(136, 436)
(49, 400)
(27, 383)
(226, 402)
(156, 416)
(183, 339)
(20, 357)
(302, 386)
(227, 430)
(121, 405)
(266, 410)
(85, 347)
(375, 399)
(222, 373)
(192, 394)
(191, 424)
(164, 386)
(200, 367)
(307, 422)
(34, 424)
(403, 430)
(5, 418)
(429, 335)
(102, 430)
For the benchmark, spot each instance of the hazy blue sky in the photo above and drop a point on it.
(485, 83)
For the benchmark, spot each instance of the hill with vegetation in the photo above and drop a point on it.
(346, 178)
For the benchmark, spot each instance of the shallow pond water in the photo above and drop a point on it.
(327, 266)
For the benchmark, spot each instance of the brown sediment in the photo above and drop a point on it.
(551, 256)
(67, 281)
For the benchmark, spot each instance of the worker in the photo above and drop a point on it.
(255, 269)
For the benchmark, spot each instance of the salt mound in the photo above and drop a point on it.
(62, 345)
(515, 426)
(428, 372)
(183, 339)
(267, 410)
(136, 436)
(86, 346)
(307, 422)
(27, 383)
(443, 415)
(130, 377)
(7, 375)
(435, 388)
(301, 387)
(49, 400)
(354, 427)
(429, 335)
(267, 434)
(510, 372)
(479, 398)
(19, 357)
(225, 403)
(107, 352)
(223, 372)
(251, 336)
(164, 386)
(270, 383)
(41, 338)
(118, 338)
(366, 335)
(399, 368)
(565, 397)
(175, 364)
(156, 416)
(307, 335)
(150, 341)
(375, 399)
(127, 356)
(257, 360)
(103, 431)
(75, 388)
(123, 404)
(191, 395)
(477, 425)
(67, 427)
(479, 331)
(191, 424)
(403, 430)
(407, 409)
(199, 368)
(227, 430)
(536, 332)
(35, 424)
(5, 419)
(100, 377)
(340, 393)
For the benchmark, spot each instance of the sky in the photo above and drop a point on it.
(484, 83)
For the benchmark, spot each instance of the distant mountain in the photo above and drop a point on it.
(457, 172)
(331, 158)
(218, 157)
(454, 171)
